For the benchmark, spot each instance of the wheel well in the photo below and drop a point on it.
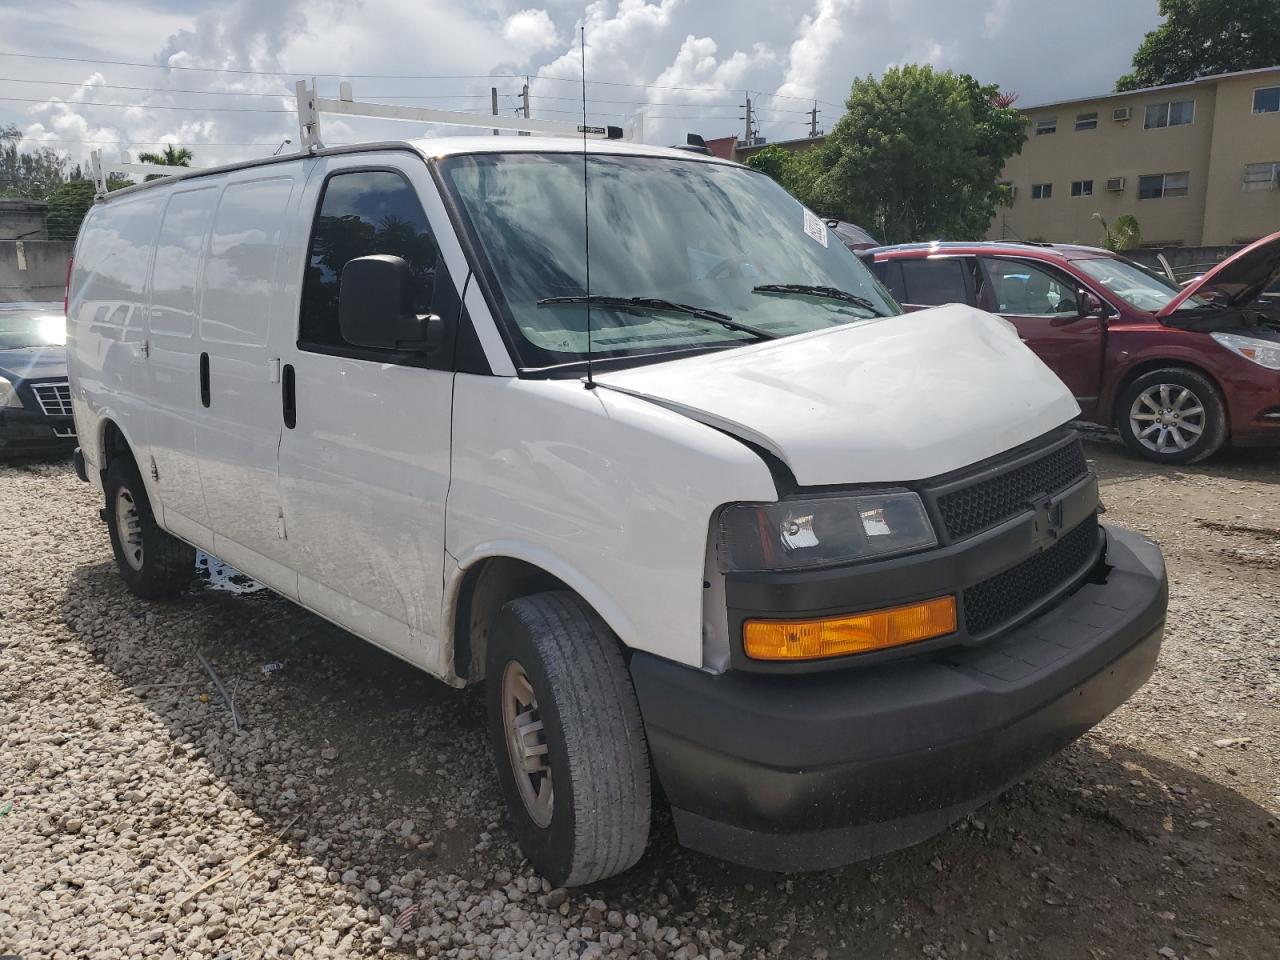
(485, 588)
(113, 444)
(1168, 363)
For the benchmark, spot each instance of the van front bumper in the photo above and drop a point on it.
(813, 771)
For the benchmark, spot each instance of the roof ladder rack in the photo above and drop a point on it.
(310, 106)
(101, 170)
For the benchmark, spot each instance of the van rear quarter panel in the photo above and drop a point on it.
(609, 493)
(106, 322)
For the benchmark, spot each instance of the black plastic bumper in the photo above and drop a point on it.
(27, 432)
(814, 771)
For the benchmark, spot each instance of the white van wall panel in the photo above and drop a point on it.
(106, 317)
(174, 362)
(238, 435)
(610, 493)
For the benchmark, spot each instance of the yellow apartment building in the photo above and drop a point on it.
(1197, 163)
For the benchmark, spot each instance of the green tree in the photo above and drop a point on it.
(69, 203)
(918, 155)
(1203, 37)
(170, 157)
(797, 171)
(33, 174)
(1125, 236)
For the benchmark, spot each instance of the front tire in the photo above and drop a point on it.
(1173, 415)
(567, 739)
(153, 564)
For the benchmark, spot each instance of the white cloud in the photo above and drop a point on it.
(530, 31)
(997, 17)
(819, 34)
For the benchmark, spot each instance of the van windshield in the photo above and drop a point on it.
(688, 232)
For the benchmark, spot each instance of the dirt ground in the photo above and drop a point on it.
(1157, 835)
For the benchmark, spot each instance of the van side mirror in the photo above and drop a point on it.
(375, 308)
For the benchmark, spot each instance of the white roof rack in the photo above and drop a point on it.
(101, 170)
(310, 106)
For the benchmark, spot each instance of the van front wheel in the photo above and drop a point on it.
(567, 739)
(153, 564)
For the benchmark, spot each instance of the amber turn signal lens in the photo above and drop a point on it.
(854, 633)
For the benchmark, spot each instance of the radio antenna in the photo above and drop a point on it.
(586, 203)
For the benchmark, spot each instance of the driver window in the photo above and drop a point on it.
(1023, 289)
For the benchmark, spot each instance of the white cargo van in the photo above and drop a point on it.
(828, 574)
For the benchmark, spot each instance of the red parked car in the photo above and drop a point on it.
(1178, 371)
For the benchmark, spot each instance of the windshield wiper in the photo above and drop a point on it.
(828, 293)
(658, 305)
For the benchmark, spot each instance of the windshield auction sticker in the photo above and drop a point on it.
(814, 227)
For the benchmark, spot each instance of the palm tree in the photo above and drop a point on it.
(172, 157)
(1126, 235)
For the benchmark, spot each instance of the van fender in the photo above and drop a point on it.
(586, 587)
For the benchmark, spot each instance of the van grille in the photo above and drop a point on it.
(988, 502)
(1000, 599)
(54, 398)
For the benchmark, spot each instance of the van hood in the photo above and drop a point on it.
(893, 399)
(1232, 287)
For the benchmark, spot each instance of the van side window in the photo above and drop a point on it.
(362, 213)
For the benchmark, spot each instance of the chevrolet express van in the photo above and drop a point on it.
(717, 520)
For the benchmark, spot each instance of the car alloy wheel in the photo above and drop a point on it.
(1167, 417)
(527, 745)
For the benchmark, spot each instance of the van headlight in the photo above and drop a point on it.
(823, 530)
(8, 395)
(1266, 353)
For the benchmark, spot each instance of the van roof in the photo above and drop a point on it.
(438, 147)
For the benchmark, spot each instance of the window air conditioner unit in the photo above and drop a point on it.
(1121, 114)
(1115, 184)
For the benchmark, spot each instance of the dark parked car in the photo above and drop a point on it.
(35, 399)
(852, 235)
(1178, 371)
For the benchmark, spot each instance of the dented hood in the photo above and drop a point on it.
(1235, 283)
(887, 400)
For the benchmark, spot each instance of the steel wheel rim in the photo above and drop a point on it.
(129, 528)
(1167, 418)
(527, 744)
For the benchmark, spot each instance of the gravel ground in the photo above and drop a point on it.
(136, 822)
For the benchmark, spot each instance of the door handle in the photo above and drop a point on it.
(204, 379)
(288, 398)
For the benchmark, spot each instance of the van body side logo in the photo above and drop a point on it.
(1046, 522)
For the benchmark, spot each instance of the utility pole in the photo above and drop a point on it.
(493, 92)
(747, 135)
(524, 98)
(813, 120)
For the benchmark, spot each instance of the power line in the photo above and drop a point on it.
(232, 93)
(385, 76)
(151, 106)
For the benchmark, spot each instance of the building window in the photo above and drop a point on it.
(1041, 191)
(1261, 176)
(1266, 100)
(1046, 126)
(1173, 114)
(1086, 121)
(1082, 188)
(1153, 186)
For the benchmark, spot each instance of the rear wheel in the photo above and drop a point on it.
(567, 739)
(152, 563)
(1172, 416)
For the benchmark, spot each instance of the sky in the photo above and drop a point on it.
(217, 75)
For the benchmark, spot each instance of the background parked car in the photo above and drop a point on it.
(1178, 371)
(35, 400)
